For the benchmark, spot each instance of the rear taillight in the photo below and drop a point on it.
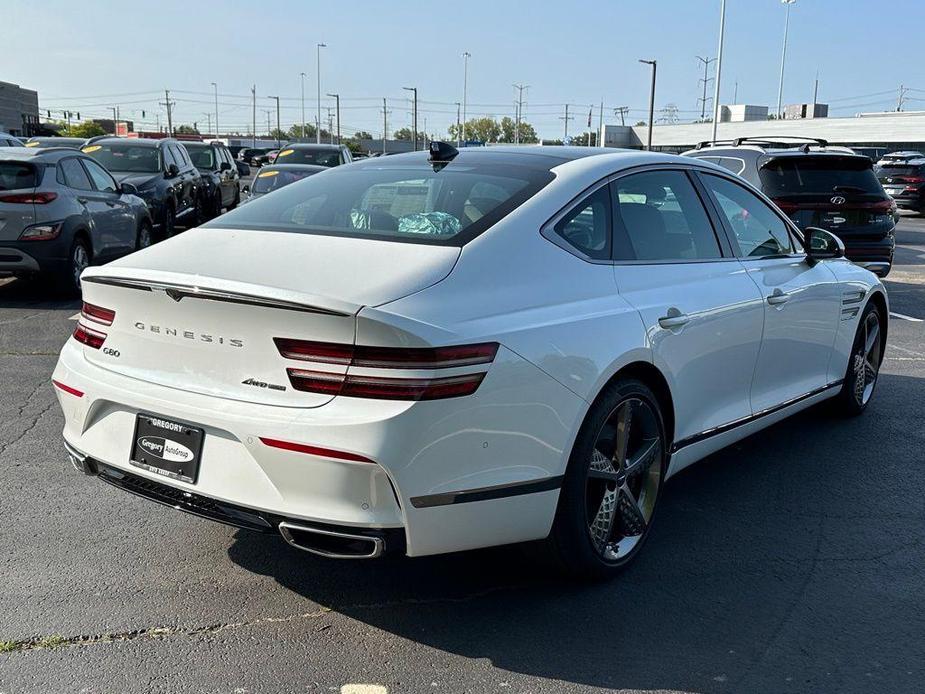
(91, 335)
(366, 385)
(29, 198)
(910, 179)
(67, 389)
(785, 206)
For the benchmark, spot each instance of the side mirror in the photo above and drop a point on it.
(224, 166)
(822, 245)
(128, 189)
(172, 170)
(246, 189)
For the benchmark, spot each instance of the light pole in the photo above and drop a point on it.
(337, 101)
(215, 86)
(277, 119)
(414, 118)
(302, 75)
(458, 132)
(654, 65)
(719, 69)
(318, 121)
(466, 57)
(209, 120)
(783, 57)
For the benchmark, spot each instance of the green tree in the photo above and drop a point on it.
(481, 129)
(406, 134)
(186, 130)
(640, 122)
(277, 134)
(295, 132)
(527, 132)
(88, 128)
(362, 135)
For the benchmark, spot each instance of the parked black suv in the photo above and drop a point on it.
(219, 174)
(817, 186)
(315, 154)
(905, 182)
(162, 173)
(251, 155)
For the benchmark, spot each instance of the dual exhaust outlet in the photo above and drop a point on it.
(334, 544)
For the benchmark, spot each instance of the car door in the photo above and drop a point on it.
(120, 217)
(802, 302)
(100, 213)
(186, 182)
(702, 313)
(229, 176)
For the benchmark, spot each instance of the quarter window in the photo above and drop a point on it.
(587, 226)
(659, 217)
(758, 230)
(74, 175)
(101, 179)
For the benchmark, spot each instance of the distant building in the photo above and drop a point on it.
(19, 109)
(806, 111)
(739, 113)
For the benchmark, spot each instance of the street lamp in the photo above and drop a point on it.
(414, 119)
(318, 121)
(277, 119)
(783, 56)
(336, 98)
(719, 68)
(654, 65)
(216, 109)
(302, 76)
(458, 132)
(466, 57)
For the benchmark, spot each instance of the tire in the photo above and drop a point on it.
(79, 259)
(170, 222)
(216, 205)
(612, 483)
(145, 235)
(863, 365)
(237, 199)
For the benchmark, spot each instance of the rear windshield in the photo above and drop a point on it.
(15, 175)
(898, 170)
(270, 180)
(818, 175)
(319, 157)
(126, 157)
(411, 203)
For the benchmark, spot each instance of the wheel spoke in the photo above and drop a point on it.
(624, 424)
(602, 524)
(631, 515)
(873, 336)
(870, 374)
(643, 459)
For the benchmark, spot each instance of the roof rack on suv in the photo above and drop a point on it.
(782, 141)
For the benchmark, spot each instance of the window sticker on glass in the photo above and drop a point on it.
(91, 148)
(32, 144)
(267, 174)
(285, 153)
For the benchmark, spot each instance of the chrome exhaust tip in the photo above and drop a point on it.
(332, 543)
(80, 462)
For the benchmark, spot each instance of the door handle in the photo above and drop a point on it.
(674, 319)
(777, 297)
(82, 201)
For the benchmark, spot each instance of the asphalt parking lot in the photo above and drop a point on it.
(791, 562)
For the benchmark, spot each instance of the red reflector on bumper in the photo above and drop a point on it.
(67, 389)
(314, 450)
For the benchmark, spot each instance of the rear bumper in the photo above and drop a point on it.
(516, 430)
(13, 260)
(876, 256)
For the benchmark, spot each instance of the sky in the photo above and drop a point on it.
(91, 55)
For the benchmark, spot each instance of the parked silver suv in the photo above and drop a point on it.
(60, 211)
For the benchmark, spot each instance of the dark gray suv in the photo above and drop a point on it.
(61, 211)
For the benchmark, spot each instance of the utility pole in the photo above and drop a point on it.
(318, 123)
(590, 111)
(600, 127)
(815, 93)
(565, 118)
(254, 113)
(330, 124)
(520, 110)
(208, 120)
(719, 66)
(414, 118)
(169, 104)
(115, 121)
(466, 57)
(654, 65)
(336, 98)
(385, 124)
(621, 111)
(458, 131)
(277, 119)
(735, 93)
(706, 81)
(215, 85)
(783, 57)
(268, 112)
(302, 76)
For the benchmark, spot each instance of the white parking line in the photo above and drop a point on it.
(74, 317)
(905, 317)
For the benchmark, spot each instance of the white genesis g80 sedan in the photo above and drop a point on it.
(446, 350)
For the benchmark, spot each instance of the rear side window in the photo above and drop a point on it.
(169, 158)
(758, 230)
(587, 226)
(415, 203)
(74, 175)
(808, 175)
(15, 175)
(659, 217)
